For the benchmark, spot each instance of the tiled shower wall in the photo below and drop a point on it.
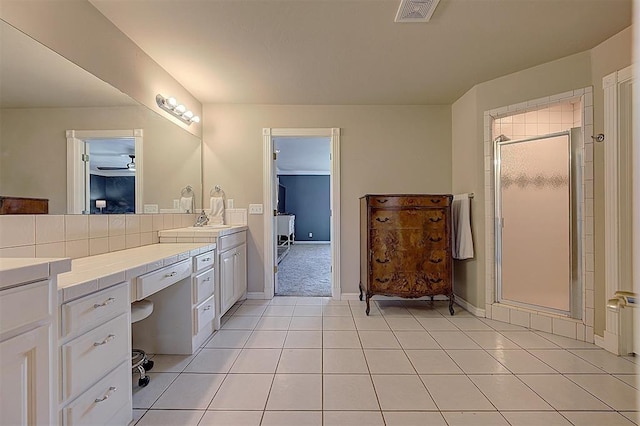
(78, 236)
(551, 119)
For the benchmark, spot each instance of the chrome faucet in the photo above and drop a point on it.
(202, 219)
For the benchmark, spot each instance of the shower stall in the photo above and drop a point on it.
(537, 210)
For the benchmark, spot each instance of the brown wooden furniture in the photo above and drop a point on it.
(19, 205)
(405, 246)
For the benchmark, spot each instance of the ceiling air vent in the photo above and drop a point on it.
(416, 10)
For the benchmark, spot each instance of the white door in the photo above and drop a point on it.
(24, 379)
(240, 273)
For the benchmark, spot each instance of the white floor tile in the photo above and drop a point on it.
(476, 362)
(279, 311)
(502, 326)
(520, 361)
(456, 393)
(340, 339)
(506, 392)
(529, 340)
(296, 392)
(353, 418)
(137, 415)
(491, 340)
(564, 361)
(453, 340)
(212, 361)
(171, 418)
(228, 339)
(292, 418)
(300, 361)
(371, 323)
(422, 418)
(303, 339)
(243, 392)
(378, 340)
(535, 418)
(190, 391)
(284, 300)
(344, 361)
(632, 380)
(404, 324)
(437, 324)
(613, 392)
(389, 310)
(273, 323)
(250, 310)
(240, 323)
(562, 393)
(566, 342)
(633, 416)
(606, 361)
(306, 323)
(336, 311)
(307, 311)
(470, 418)
(416, 340)
(403, 393)
(343, 392)
(338, 323)
(388, 361)
(256, 361)
(170, 363)
(591, 418)
(425, 311)
(231, 418)
(469, 324)
(146, 396)
(433, 362)
(266, 339)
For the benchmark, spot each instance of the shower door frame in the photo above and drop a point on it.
(575, 269)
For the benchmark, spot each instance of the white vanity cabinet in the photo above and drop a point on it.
(28, 357)
(95, 358)
(232, 269)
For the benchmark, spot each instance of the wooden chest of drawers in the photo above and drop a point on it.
(405, 246)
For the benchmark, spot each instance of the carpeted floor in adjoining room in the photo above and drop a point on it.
(305, 271)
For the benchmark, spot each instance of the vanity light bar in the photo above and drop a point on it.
(177, 110)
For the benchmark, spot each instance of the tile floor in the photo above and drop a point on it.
(314, 361)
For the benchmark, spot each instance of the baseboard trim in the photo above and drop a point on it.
(256, 295)
(458, 300)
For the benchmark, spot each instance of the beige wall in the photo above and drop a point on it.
(569, 73)
(384, 149)
(62, 25)
(33, 152)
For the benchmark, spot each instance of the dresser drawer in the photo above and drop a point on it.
(102, 401)
(408, 218)
(203, 286)
(232, 240)
(204, 314)
(86, 358)
(203, 261)
(409, 201)
(24, 305)
(89, 311)
(155, 281)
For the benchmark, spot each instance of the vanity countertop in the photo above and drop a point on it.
(14, 271)
(92, 273)
(205, 231)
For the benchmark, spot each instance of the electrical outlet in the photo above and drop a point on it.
(255, 208)
(230, 203)
(176, 204)
(310, 234)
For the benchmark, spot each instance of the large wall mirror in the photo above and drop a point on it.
(43, 96)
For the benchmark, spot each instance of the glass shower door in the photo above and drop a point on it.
(533, 202)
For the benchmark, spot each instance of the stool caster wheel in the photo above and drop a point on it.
(147, 365)
(143, 381)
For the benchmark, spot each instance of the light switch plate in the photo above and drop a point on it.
(255, 208)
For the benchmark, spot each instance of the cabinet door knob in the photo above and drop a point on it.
(435, 280)
(382, 260)
(105, 341)
(206, 308)
(386, 219)
(206, 259)
(383, 280)
(382, 200)
(435, 260)
(436, 200)
(435, 239)
(435, 219)
(105, 303)
(106, 396)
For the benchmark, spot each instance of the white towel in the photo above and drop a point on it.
(186, 204)
(461, 227)
(216, 211)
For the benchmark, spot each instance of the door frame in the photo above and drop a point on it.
(77, 175)
(269, 192)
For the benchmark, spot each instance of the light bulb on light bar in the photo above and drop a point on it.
(179, 111)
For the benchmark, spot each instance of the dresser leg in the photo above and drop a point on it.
(367, 311)
(360, 287)
(451, 304)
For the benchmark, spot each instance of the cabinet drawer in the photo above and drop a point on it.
(204, 314)
(203, 261)
(230, 241)
(102, 401)
(24, 305)
(203, 286)
(86, 358)
(408, 218)
(155, 281)
(89, 311)
(409, 200)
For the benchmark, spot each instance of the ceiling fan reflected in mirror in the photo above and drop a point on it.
(131, 166)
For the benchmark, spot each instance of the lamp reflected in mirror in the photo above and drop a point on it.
(101, 204)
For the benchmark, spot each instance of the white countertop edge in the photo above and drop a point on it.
(191, 232)
(15, 271)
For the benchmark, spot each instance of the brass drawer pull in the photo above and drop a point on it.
(111, 390)
(435, 219)
(381, 201)
(435, 239)
(435, 260)
(436, 200)
(386, 219)
(105, 303)
(435, 280)
(105, 341)
(382, 261)
(384, 280)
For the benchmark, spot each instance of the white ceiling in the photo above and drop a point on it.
(303, 156)
(351, 51)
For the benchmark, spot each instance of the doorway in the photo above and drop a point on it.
(274, 238)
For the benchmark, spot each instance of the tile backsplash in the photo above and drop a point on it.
(77, 236)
